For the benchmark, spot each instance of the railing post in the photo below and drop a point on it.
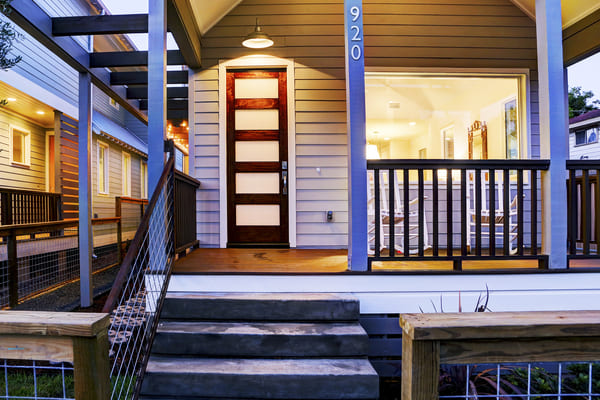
(118, 213)
(6, 202)
(13, 271)
(91, 367)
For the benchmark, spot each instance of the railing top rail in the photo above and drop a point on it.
(477, 325)
(24, 229)
(105, 221)
(132, 200)
(45, 323)
(458, 164)
(185, 177)
(25, 191)
(126, 266)
(583, 164)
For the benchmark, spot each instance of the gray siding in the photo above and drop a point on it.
(101, 103)
(18, 177)
(403, 34)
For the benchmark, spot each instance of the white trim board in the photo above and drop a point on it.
(386, 294)
(256, 62)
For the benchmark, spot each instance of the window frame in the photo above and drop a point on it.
(125, 174)
(26, 150)
(106, 159)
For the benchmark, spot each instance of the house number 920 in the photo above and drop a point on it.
(355, 51)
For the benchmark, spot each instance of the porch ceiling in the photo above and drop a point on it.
(572, 10)
(27, 106)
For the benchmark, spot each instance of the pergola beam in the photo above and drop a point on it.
(141, 78)
(99, 25)
(182, 24)
(171, 104)
(141, 92)
(31, 18)
(110, 59)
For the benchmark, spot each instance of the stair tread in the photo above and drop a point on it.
(292, 367)
(261, 328)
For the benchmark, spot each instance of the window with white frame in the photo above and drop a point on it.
(126, 174)
(19, 146)
(143, 179)
(586, 136)
(103, 156)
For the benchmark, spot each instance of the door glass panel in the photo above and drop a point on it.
(249, 151)
(247, 120)
(257, 88)
(257, 214)
(257, 182)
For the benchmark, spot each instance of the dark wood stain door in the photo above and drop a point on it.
(257, 158)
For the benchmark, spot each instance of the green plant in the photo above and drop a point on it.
(8, 36)
(480, 306)
(21, 384)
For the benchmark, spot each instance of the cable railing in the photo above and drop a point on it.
(139, 290)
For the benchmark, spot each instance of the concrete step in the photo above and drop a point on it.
(261, 307)
(254, 339)
(260, 379)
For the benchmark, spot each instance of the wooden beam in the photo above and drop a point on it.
(171, 104)
(177, 114)
(141, 92)
(182, 24)
(130, 59)
(33, 20)
(141, 78)
(99, 25)
(582, 39)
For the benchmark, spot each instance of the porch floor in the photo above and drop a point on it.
(316, 261)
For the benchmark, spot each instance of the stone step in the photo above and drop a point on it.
(254, 339)
(260, 378)
(261, 307)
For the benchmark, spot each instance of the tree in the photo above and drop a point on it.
(580, 101)
(7, 37)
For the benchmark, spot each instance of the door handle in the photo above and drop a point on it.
(284, 178)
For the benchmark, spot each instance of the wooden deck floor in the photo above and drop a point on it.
(311, 261)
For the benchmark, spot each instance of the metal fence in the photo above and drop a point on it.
(139, 290)
(39, 380)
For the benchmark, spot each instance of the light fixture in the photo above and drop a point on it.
(257, 39)
(11, 99)
(40, 112)
(412, 123)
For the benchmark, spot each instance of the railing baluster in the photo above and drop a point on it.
(586, 207)
(506, 210)
(392, 211)
(435, 210)
(463, 212)
(406, 187)
(477, 211)
(449, 209)
(377, 213)
(534, 181)
(520, 219)
(421, 219)
(573, 213)
(492, 209)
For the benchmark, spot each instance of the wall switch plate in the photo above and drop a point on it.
(329, 216)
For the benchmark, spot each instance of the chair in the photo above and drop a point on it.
(499, 212)
(398, 215)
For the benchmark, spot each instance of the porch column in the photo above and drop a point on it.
(553, 130)
(157, 90)
(85, 189)
(357, 139)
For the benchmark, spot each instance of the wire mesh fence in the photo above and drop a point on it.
(106, 245)
(526, 381)
(139, 291)
(38, 380)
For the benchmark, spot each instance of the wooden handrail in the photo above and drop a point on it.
(187, 179)
(106, 220)
(458, 164)
(136, 244)
(132, 200)
(25, 229)
(22, 191)
(429, 340)
(78, 338)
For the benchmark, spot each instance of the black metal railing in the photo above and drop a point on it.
(185, 211)
(455, 210)
(29, 207)
(583, 193)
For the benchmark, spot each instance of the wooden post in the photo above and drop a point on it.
(420, 369)
(553, 130)
(91, 367)
(57, 155)
(13, 271)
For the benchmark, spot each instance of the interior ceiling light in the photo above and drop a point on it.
(257, 39)
(11, 99)
(412, 123)
(40, 112)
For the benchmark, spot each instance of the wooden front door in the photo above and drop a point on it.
(257, 158)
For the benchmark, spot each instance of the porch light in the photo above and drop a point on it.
(257, 39)
(11, 99)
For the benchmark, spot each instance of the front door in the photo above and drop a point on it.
(257, 158)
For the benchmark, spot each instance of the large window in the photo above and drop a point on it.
(19, 146)
(445, 116)
(102, 168)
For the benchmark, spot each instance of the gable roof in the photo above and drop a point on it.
(585, 119)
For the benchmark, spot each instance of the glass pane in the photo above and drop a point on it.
(257, 88)
(101, 181)
(259, 182)
(247, 120)
(18, 146)
(266, 150)
(257, 214)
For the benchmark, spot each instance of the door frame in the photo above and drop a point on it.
(258, 62)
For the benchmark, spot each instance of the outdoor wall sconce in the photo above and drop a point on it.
(257, 39)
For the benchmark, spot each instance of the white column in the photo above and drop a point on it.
(157, 90)
(85, 189)
(553, 130)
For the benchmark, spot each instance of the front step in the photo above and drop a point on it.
(261, 379)
(257, 339)
(261, 307)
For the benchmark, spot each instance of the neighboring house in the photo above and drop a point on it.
(583, 136)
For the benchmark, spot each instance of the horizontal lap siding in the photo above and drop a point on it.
(399, 33)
